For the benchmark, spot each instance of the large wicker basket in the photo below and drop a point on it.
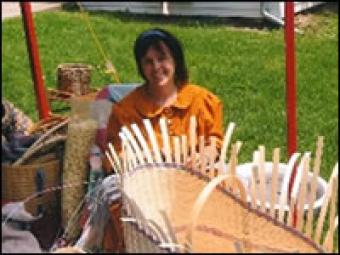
(172, 206)
(37, 170)
(180, 210)
(20, 182)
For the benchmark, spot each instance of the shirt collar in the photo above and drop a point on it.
(149, 109)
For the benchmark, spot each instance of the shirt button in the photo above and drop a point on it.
(168, 112)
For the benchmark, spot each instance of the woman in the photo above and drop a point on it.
(166, 92)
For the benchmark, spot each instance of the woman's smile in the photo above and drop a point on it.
(159, 66)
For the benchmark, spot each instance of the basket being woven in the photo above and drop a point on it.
(170, 208)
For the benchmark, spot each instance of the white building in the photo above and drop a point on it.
(273, 11)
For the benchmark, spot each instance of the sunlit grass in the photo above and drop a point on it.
(245, 68)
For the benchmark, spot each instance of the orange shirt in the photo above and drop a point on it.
(191, 100)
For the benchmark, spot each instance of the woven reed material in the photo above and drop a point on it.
(74, 78)
(138, 241)
(169, 193)
(80, 136)
(19, 182)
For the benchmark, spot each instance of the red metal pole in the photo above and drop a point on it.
(32, 46)
(290, 91)
(290, 77)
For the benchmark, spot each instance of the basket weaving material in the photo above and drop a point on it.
(80, 136)
(19, 182)
(37, 170)
(203, 208)
(138, 241)
(74, 78)
(168, 197)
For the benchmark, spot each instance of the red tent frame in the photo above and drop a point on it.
(45, 112)
(32, 46)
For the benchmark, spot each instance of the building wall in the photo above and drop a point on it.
(222, 9)
(135, 7)
(219, 9)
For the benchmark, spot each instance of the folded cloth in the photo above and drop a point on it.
(16, 211)
(116, 92)
(15, 237)
(18, 241)
(13, 119)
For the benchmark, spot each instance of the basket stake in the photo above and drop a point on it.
(177, 149)
(262, 178)
(134, 144)
(275, 169)
(284, 187)
(212, 157)
(328, 244)
(233, 160)
(143, 143)
(312, 196)
(114, 166)
(184, 149)
(166, 139)
(203, 158)
(115, 157)
(254, 177)
(193, 137)
(302, 192)
(225, 144)
(153, 140)
(324, 206)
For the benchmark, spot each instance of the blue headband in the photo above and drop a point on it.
(152, 33)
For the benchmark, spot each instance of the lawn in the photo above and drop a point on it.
(244, 67)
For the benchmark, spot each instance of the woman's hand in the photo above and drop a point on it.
(210, 154)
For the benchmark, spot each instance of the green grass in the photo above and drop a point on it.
(244, 67)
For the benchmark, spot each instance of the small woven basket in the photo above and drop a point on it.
(74, 78)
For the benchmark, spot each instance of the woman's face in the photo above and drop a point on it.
(158, 66)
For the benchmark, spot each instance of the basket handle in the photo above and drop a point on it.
(31, 151)
(229, 180)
